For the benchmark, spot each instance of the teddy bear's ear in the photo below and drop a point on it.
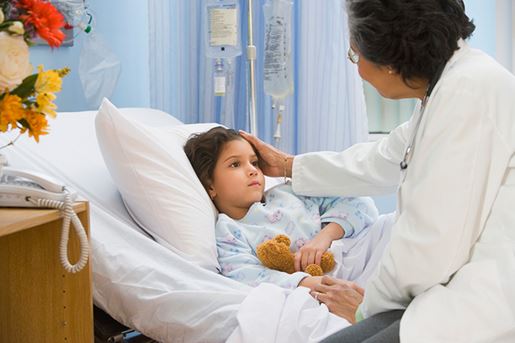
(314, 270)
(327, 263)
(282, 239)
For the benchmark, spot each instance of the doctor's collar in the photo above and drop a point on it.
(434, 79)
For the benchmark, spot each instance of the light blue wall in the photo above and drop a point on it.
(124, 25)
(483, 14)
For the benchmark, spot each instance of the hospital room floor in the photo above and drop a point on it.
(108, 330)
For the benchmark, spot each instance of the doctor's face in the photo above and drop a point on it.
(384, 79)
(238, 182)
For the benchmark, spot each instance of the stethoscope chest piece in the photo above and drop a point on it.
(404, 162)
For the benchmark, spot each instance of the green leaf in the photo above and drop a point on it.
(26, 88)
(24, 123)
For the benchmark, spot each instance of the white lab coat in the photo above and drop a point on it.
(451, 258)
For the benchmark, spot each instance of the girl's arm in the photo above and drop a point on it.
(344, 217)
(239, 262)
(351, 214)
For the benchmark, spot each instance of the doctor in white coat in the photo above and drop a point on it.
(448, 274)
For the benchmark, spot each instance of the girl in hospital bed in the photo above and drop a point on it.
(227, 166)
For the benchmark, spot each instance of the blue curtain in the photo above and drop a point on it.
(327, 109)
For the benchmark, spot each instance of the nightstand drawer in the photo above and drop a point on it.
(40, 301)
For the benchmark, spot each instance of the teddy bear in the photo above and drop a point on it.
(275, 254)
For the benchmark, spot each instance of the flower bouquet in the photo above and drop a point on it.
(26, 98)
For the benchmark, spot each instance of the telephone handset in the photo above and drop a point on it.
(21, 188)
(18, 187)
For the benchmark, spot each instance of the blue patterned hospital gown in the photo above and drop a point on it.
(283, 212)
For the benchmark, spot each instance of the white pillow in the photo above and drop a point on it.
(149, 116)
(158, 184)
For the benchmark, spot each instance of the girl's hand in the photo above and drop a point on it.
(341, 297)
(310, 282)
(312, 251)
(272, 161)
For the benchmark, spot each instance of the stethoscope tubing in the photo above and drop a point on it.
(409, 149)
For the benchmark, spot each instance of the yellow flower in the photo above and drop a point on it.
(63, 72)
(36, 124)
(45, 105)
(48, 81)
(11, 110)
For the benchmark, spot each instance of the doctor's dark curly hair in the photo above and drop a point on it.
(203, 150)
(414, 37)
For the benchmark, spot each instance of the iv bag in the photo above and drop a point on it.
(278, 78)
(72, 10)
(99, 69)
(222, 28)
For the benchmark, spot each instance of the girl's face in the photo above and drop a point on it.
(237, 180)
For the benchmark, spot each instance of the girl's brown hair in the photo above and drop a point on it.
(203, 150)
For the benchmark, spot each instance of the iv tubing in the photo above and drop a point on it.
(251, 56)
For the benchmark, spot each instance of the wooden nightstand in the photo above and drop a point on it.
(39, 300)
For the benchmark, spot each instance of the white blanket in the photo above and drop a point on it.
(273, 314)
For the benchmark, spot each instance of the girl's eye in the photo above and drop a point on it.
(255, 163)
(235, 165)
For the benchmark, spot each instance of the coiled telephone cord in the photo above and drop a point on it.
(68, 216)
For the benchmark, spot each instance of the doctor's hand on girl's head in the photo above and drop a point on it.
(272, 161)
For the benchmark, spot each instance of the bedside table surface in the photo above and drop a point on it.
(17, 219)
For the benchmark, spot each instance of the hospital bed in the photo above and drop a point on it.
(146, 285)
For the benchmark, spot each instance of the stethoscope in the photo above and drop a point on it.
(409, 149)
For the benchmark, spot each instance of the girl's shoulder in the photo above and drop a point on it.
(279, 189)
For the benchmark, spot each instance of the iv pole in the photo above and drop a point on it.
(251, 57)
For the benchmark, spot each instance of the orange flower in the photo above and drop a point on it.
(35, 123)
(45, 18)
(11, 110)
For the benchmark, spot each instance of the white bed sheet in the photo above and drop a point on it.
(139, 282)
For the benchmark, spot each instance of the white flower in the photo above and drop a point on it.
(2, 17)
(17, 28)
(14, 61)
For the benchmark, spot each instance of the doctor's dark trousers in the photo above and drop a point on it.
(380, 328)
